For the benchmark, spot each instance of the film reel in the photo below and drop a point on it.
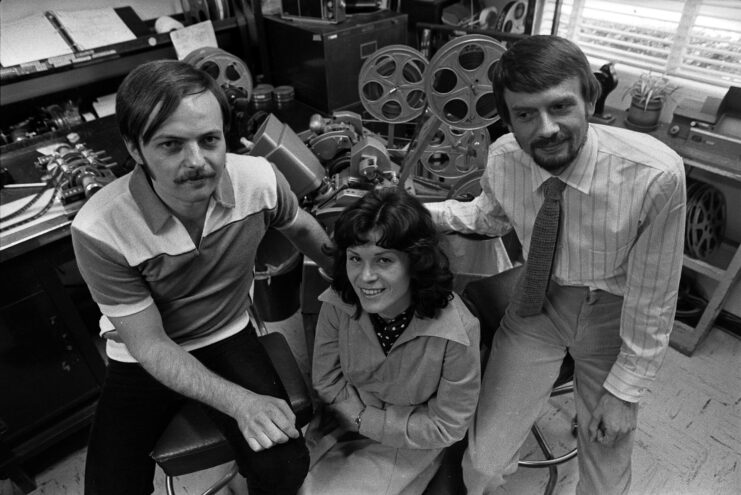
(230, 72)
(513, 17)
(195, 11)
(453, 153)
(391, 84)
(458, 82)
(706, 220)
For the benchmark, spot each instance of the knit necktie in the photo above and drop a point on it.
(542, 248)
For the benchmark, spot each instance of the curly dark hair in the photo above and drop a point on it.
(403, 224)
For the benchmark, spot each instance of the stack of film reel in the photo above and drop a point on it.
(235, 78)
(453, 90)
(706, 220)
(265, 94)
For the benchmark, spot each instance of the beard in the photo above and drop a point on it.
(553, 160)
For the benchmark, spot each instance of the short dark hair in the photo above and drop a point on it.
(405, 225)
(540, 62)
(159, 86)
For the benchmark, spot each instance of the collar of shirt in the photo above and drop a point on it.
(401, 321)
(448, 325)
(580, 173)
(155, 212)
(388, 331)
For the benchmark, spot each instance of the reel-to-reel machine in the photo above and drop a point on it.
(451, 98)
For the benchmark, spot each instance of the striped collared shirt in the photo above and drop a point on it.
(623, 229)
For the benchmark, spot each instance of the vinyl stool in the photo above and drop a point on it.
(191, 442)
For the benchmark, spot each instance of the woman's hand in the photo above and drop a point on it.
(347, 411)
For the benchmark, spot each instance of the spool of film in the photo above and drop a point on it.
(283, 94)
(229, 71)
(262, 93)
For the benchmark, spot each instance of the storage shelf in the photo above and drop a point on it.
(704, 268)
(723, 172)
(115, 61)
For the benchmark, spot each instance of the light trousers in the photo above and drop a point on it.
(525, 360)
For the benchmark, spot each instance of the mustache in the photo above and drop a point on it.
(549, 141)
(197, 174)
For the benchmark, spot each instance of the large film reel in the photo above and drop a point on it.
(706, 220)
(203, 10)
(391, 84)
(458, 82)
(229, 71)
(453, 153)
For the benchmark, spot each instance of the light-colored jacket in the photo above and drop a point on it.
(423, 394)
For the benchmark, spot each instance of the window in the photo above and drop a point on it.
(698, 40)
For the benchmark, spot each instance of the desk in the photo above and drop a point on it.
(50, 370)
(685, 338)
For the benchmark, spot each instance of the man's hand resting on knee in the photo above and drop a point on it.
(611, 419)
(265, 421)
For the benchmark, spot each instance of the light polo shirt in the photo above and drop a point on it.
(623, 214)
(133, 252)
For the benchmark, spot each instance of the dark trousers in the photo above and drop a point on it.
(134, 409)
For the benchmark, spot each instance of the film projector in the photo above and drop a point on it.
(450, 98)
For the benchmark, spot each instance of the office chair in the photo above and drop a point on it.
(487, 299)
(191, 442)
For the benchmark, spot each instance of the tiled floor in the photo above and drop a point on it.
(688, 441)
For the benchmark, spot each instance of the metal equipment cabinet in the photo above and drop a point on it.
(50, 369)
(322, 61)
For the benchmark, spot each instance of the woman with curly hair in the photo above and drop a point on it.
(396, 356)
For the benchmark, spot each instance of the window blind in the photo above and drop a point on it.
(691, 39)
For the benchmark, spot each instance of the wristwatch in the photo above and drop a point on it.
(359, 417)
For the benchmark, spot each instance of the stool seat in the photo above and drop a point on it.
(191, 442)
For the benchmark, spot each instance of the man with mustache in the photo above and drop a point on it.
(168, 253)
(612, 289)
